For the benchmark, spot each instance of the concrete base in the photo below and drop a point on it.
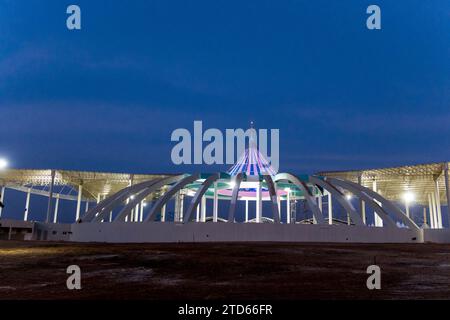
(237, 232)
(436, 235)
(52, 231)
(123, 232)
(16, 229)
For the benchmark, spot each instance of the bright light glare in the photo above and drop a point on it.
(348, 196)
(408, 196)
(144, 204)
(232, 184)
(287, 189)
(3, 163)
(132, 197)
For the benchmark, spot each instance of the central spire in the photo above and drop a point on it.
(252, 162)
(253, 139)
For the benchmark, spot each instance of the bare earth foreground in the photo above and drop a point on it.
(37, 270)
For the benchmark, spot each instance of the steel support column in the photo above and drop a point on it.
(407, 208)
(330, 209)
(447, 190)
(27, 205)
(434, 213)
(259, 202)
(136, 213)
(163, 214)
(180, 202)
(215, 203)
(246, 210)
(2, 199)
(80, 191)
(203, 218)
(55, 214)
(279, 204)
(430, 210)
(177, 209)
(378, 221)
(438, 203)
(50, 196)
(362, 205)
(425, 223)
(288, 206)
(181, 207)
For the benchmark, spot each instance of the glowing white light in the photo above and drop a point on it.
(132, 197)
(408, 196)
(232, 184)
(3, 163)
(348, 196)
(144, 204)
(287, 189)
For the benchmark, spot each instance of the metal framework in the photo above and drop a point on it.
(392, 183)
(127, 195)
(391, 215)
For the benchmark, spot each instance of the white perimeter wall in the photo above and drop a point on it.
(436, 235)
(207, 232)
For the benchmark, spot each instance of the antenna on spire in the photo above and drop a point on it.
(252, 141)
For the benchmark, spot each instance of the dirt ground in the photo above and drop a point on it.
(254, 271)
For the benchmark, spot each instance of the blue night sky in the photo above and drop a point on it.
(107, 97)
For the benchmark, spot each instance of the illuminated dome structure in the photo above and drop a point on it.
(196, 197)
(131, 203)
(250, 202)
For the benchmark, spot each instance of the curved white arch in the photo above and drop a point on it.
(308, 196)
(169, 194)
(138, 197)
(198, 195)
(234, 196)
(370, 195)
(273, 198)
(355, 217)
